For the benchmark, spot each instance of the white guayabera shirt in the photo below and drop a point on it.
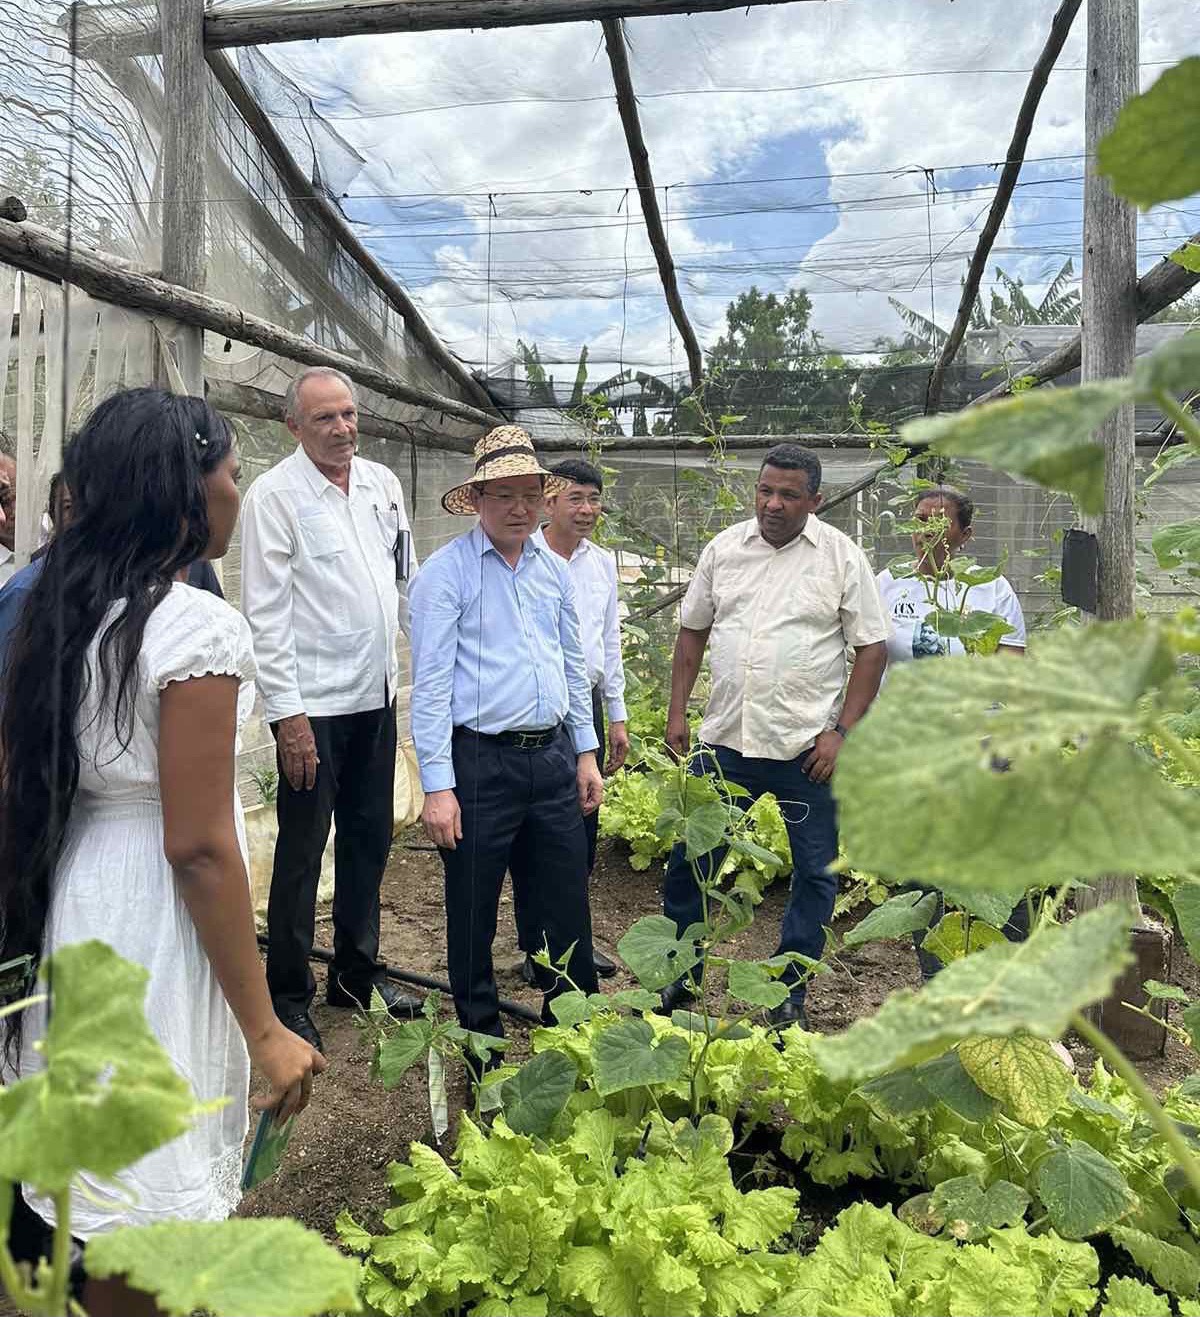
(593, 573)
(781, 621)
(906, 600)
(319, 587)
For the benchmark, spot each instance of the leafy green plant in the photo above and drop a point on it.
(107, 1096)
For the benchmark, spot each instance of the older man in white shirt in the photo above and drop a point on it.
(781, 598)
(574, 514)
(326, 554)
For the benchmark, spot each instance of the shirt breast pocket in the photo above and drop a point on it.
(319, 535)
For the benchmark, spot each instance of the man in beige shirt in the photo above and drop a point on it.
(781, 599)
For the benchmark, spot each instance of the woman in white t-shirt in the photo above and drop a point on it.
(908, 601)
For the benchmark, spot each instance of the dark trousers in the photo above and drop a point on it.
(529, 937)
(520, 813)
(1016, 929)
(355, 787)
(811, 820)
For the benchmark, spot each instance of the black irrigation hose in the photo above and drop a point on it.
(514, 1008)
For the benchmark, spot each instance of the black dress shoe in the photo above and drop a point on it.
(788, 1012)
(676, 995)
(302, 1026)
(399, 1004)
(605, 967)
(529, 972)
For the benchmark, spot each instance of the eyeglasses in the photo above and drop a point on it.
(531, 501)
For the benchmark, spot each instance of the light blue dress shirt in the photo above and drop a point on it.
(494, 648)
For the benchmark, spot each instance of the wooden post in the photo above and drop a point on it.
(1110, 317)
(185, 132)
(614, 41)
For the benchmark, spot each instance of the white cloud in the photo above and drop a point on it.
(576, 245)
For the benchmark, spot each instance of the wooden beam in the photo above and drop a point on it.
(246, 400)
(305, 196)
(40, 251)
(184, 152)
(618, 57)
(702, 444)
(268, 23)
(1060, 28)
(1157, 289)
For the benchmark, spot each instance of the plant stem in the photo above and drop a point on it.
(60, 1261)
(1110, 1052)
(10, 1278)
(1187, 423)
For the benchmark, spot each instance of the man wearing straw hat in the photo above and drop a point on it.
(502, 722)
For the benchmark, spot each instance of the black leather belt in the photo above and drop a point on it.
(521, 740)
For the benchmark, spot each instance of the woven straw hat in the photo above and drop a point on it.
(505, 451)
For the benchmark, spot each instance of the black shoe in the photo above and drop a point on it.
(605, 967)
(399, 1004)
(302, 1026)
(529, 972)
(675, 996)
(788, 1012)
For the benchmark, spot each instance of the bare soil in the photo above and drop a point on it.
(353, 1128)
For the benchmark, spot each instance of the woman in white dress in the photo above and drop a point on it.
(142, 682)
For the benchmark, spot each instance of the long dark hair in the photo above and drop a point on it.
(139, 514)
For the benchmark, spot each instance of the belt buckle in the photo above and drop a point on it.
(527, 741)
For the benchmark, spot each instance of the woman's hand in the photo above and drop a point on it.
(289, 1064)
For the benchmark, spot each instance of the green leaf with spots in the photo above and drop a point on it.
(230, 1268)
(1164, 991)
(902, 914)
(969, 1211)
(1172, 1267)
(1082, 1191)
(1044, 435)
(1021, 1072)
(1177, 545)
(534, 1096)
(108, 1094)
(956, 936)
(1035, 985)
(1188, 256)
(1064, 719)
(1150, 153)
(654, 952)
(629, 1055)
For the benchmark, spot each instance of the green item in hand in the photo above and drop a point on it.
(266, 1152)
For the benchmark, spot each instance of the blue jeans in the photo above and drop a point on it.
(810, 816)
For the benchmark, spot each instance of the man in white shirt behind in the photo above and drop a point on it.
(573, 516)
(326, 556)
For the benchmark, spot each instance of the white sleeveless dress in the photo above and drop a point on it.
(113, 882)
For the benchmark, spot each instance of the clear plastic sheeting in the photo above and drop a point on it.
(850, 151)
(89, 131)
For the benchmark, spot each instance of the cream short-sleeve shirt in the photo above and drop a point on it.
(781, 621)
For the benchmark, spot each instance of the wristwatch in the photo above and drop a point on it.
(843, 732)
